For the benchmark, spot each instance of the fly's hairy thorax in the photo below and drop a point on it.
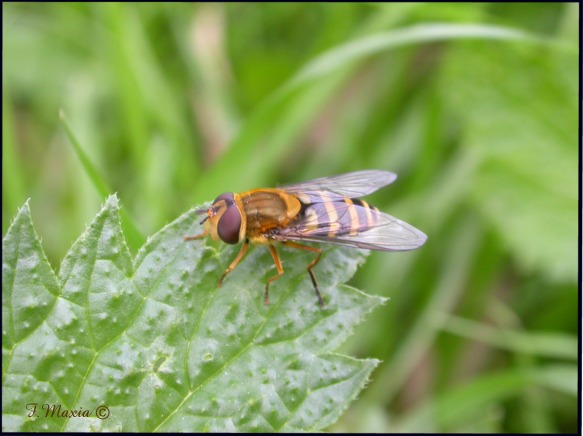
(267, 209)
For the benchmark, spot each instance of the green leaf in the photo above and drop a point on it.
(157, 343)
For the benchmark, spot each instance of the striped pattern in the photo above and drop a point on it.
(332, 213)
(324, 216)
(369, 211)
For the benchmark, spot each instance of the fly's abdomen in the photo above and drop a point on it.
(337, 217)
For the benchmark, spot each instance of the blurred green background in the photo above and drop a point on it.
(473, 105)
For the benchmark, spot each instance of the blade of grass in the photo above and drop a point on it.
(560, 378)
(146, 94)
(451, 410)
(552, 345)
(363, 47)
(135, 238)
(261, 145)
(395, 372)
(99, 184)
(249, 150)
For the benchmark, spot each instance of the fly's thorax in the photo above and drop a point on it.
(266, 209)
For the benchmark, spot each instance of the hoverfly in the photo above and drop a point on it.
(321, 210)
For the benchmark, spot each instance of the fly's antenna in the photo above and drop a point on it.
(201, 211)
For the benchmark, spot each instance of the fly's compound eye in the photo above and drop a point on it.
(228, 197)
(230, 224)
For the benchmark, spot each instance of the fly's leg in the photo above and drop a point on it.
(234, 263)
(192, 238)
(273, 252)
(310, 266)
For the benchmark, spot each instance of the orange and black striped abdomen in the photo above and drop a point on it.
(332, 217)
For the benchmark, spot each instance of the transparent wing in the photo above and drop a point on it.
(371, 229)
(351, 185)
